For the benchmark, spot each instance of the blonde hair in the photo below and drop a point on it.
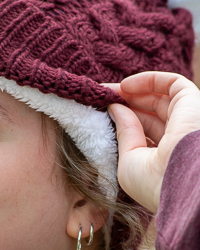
(83, 178)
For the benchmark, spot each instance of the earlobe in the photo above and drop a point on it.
(82, 215)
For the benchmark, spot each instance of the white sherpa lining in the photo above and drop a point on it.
(90, 129)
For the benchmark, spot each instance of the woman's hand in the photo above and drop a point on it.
(164, 107)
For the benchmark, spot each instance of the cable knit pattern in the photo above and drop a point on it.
(68, 47)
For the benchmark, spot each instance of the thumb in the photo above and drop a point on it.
(134, 175)
(130, 134)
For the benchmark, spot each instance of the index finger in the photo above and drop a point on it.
(114, 86)
(153, 82)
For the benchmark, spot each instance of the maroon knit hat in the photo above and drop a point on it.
(65, 48)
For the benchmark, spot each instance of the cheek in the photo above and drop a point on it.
(29, 198)
(21, 169)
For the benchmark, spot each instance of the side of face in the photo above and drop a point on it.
(33, 210)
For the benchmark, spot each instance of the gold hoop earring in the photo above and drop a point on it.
(91, 235)
(79, 239)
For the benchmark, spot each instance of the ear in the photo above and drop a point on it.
(83, 213)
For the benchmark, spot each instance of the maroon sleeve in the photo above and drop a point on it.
(178, 217)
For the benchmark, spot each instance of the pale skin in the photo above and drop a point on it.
(164, 107)
(36, 212)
